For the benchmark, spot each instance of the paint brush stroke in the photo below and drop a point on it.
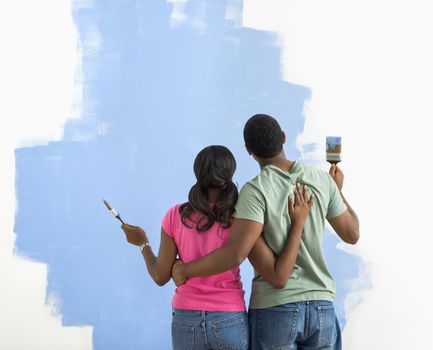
(160, 93)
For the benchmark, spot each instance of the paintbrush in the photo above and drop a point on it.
(112, 210)
(333, 149)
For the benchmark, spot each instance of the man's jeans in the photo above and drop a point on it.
(303, 325)
(200, 330)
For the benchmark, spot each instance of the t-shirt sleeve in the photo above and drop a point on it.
(250, 204)
(336, 204)
(169, 220)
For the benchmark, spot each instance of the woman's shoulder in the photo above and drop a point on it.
(174, 209)
(172, 219)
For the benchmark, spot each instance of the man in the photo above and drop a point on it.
(300, 315)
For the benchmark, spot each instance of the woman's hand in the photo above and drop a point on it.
(300, 208)
(134, 234)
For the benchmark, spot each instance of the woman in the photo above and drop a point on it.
(209, 312)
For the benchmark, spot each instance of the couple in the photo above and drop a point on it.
(277, 221)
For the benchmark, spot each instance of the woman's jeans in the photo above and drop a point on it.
(199, 330)
(304, 325)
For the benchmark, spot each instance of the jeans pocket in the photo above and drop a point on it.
(182, 336)
(232, 334)
(326, 325)
(276, 327)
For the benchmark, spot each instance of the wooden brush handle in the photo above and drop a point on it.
(120, 219)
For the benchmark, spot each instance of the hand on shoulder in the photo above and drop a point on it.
(299, 207)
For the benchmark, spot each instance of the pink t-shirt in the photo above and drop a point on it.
(221, 292)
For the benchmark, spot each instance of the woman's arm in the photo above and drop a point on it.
(277, 270)
(159, 267)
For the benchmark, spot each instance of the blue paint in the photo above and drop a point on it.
(164, 93)
(346, 269)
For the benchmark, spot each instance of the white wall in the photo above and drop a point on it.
(38, 68)
(368, 64)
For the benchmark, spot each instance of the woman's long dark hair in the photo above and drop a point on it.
(214, 167)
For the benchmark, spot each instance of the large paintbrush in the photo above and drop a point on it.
(113, 211)
(333, 149)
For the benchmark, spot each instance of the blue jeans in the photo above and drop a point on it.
(307, 325)
(200, 330)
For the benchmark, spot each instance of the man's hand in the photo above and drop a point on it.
(134, 234)
(337, 175)
(177, 273)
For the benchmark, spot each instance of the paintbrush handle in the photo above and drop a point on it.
(120, 219)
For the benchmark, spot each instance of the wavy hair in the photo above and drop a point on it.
(214, 167)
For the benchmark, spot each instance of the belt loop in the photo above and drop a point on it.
(203, 313)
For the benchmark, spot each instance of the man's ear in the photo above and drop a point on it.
(283, 137)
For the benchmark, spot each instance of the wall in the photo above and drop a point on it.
(140, 87)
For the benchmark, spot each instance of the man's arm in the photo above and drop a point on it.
(345, 225)
(243, 234)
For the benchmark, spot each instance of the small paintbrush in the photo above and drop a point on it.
(333, 149)
(112, 210)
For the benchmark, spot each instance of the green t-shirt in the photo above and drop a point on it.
(264, 200)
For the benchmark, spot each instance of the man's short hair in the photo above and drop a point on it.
(263, 136)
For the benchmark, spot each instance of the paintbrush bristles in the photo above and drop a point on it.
(112, 210)
(110, 207)
(108, 204)
(333, 149)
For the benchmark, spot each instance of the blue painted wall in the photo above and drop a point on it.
(162, 93)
